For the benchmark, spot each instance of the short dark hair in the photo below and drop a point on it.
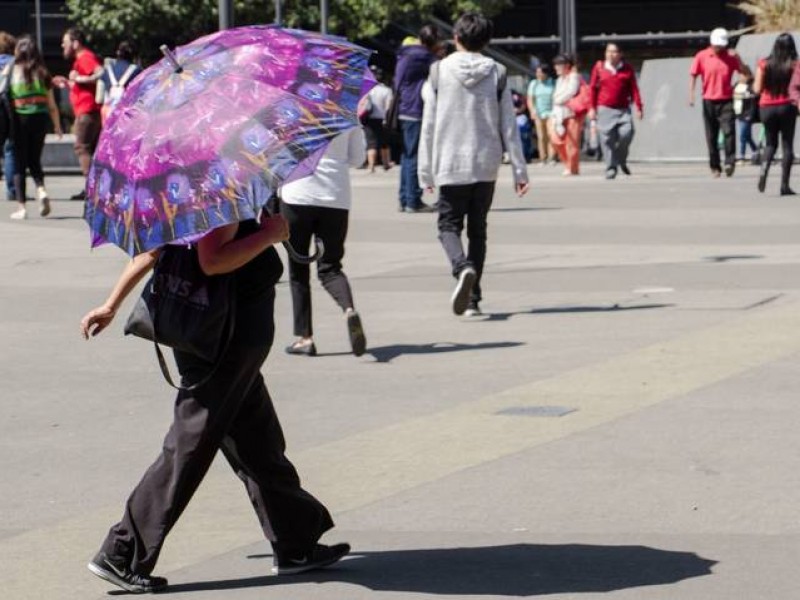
(564, 59)
(616, 45)
(474, 31)
(76, 35)
(7, 43)
(429, 36)
(126, 51)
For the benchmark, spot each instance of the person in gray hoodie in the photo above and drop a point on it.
(468, 120)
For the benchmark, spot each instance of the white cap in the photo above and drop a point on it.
(719, 37)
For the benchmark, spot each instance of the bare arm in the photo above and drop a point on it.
(96, 320)
(219, 252)
(758, 84)
(55, 116)
(692, 86)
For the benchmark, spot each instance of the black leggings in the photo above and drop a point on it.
(29, 134)
(781, 120)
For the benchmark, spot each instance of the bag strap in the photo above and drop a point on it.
(126, 76)
(162, 362)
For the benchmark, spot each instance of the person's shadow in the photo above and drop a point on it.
(511, 570)
(385, 354)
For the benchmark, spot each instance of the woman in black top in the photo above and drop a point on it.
(232, 412)
(778, 112)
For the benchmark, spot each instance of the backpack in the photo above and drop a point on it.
(6, 117)
(581, 102)
(502, 77)
(112, 96)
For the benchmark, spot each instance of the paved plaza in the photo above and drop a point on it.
(622, 422)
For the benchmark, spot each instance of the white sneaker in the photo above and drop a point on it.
(460, 298)
(20, 214)
(473, 311)
(44, 201)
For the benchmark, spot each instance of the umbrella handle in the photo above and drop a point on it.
(306, 260)
(171, 58)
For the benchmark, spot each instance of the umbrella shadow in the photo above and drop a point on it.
(518, 570)
(385, 354)
(526, 209)
(562, 310)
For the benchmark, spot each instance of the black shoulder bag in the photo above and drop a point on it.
(185, 309)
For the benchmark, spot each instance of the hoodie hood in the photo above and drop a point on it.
(470, 68)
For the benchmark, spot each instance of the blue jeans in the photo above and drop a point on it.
(746, 138)
(410, 192)
(9, 166)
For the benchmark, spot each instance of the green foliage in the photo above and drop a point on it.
(151, 23)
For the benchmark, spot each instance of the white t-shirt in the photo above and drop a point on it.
(329, 185)
(380, 97)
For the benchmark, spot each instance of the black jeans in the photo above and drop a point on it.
(330, 226)
(29, 135)
(718, 116)
(472, 202)
(232, 412)
(779, 121)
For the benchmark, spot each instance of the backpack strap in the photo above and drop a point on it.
(127, 75)
(111, 76)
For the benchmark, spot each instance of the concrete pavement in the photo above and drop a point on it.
(620, 424)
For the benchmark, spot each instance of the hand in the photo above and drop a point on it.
(639, 114)
(522, 189)
(592, 114)
(73, 76)
(691, 101)
(97, 320)
(429, 189)
(60, 81)
(275, 227)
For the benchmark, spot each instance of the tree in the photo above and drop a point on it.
(773, 15)
(150, 23)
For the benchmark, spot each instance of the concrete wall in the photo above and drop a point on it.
(671, 129)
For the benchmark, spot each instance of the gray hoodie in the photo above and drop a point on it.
(465, 128)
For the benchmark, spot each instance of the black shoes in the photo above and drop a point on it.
(624, 168)
(358, 341)
(787, 191)
(762, 180)
(293, 563)
(473, 310)
(461, 295)
(729, 169)
(611, 173)
(79, 196)
(122, 576)
(302, 349)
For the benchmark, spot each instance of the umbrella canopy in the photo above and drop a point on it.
(202, 138)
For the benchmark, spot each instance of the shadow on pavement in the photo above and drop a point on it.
(511, 570)
(561, 310)
(385, 354)
(526, 209)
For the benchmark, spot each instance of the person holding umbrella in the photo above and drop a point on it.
(234, 165)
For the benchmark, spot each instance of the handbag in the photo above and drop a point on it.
(183, 308)
(392, 119)
(581, 102)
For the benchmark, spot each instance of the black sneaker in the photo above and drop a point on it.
(358, 341)
(624, 168)
(473, 310)
(319, 557)
(79, 196)
(122, 576)
(460, 297)
(729, 169)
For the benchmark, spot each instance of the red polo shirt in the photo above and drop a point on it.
(717, 72)
(614, 88)
(82, 95)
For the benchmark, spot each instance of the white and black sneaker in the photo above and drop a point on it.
(355, 331)
(473, 310)
(460, 297)
(122, 576)
(293, 563)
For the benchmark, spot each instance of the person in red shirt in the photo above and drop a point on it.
(614, 88)
(82, 82)
(716, 66)
(778, 111)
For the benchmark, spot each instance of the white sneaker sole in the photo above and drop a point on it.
(460, 298)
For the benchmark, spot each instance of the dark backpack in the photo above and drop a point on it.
(6, 116)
